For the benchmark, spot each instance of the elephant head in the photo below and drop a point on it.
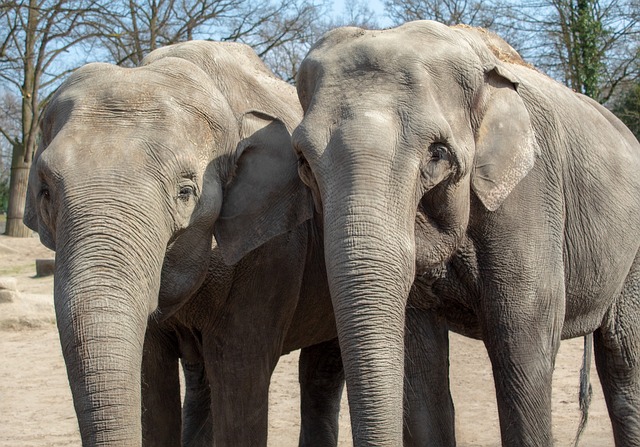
(405, 132)
(136, 170)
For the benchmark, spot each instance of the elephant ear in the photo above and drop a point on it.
(265, 197)
(31, 217)
(506, 147)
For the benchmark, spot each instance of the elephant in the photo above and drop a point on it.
(136, 170)
(437, 153)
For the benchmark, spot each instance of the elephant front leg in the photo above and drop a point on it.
(197, 424)
(321, 377)
(428, 415)
(161, 408)
(239, 364)
(240, 399)
(522, 337)
(197, 427)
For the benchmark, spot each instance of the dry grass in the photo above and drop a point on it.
(498, 46)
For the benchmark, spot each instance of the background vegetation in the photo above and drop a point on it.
(593, 46)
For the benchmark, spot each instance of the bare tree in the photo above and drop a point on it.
(284, 36)
(138, 27)
(313, 21)
(36, 37)
(10, 105)
(357, 13)
(450, 12)
(592, 46)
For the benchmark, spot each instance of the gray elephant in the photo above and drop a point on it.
(436, 152)
(136, 169)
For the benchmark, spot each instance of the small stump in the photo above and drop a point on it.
(45, 267)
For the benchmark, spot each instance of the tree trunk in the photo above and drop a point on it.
(17, 195)
(23, 153)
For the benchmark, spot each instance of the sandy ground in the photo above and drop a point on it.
(36, 407)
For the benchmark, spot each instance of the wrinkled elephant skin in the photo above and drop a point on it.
(230, 336)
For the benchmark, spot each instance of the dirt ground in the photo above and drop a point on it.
(36, 407)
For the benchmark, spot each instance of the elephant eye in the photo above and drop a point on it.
(44, 191)
(44, 204)
(186, 192)
(439, 151)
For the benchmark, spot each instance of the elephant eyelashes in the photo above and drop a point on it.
(438, 151)
(44, 192)
(186, 192)
(44, 196)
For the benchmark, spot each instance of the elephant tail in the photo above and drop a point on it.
(585, 386)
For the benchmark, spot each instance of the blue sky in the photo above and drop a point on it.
(376, 5)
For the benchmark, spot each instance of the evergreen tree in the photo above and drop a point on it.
(627, 108)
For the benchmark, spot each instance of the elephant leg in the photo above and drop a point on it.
(161, 408)
(197, 427)
(240, 359)
(617, 353)
(197, 424)
(429, 414)
(239, 376)
(244, 343)
(321, 379)
(522, 337)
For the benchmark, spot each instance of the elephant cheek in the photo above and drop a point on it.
(185, 267)
(440, 224)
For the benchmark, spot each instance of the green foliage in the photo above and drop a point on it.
(587, 34)
(627, 108)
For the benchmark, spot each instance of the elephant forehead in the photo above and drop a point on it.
(94, 150)
(108, 103)
(416, 54)
(384, 46)
(162, 89)
(116, 112)
(377, 118)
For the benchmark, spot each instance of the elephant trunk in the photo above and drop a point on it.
(370, 266)
(105, 287)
